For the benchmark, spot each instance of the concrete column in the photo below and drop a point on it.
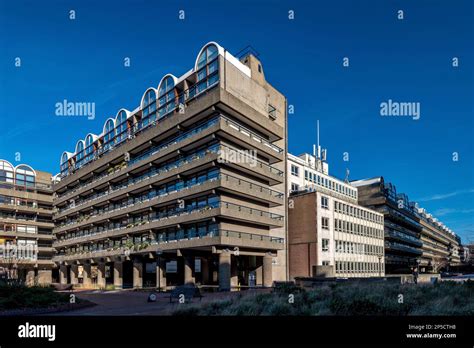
(63, 274)
(267, 270)
(86, 275)
(224, 271)
(160, 274)
(234, 278)
(118, 274)
(188, 270)
(30, 277)
(74, 273)
(205, 271)
(101, 275)
(138, 274)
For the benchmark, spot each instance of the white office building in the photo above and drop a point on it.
(329, 233)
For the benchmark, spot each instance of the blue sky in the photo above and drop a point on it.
(405, 60)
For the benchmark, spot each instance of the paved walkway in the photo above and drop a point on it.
(128, 302)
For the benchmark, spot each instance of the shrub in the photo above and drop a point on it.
(350, 299)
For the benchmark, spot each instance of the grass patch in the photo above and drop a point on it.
(348, 299)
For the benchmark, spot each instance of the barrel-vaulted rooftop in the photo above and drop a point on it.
(154, 105)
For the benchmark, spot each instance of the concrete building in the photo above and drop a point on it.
(188, 187)
(26, 225)
(413, 237)
(440, 246)
(403, 246)
(329, 233)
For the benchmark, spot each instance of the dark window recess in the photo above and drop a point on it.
(272, 112)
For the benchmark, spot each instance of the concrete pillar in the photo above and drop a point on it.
(101, 275)
(267, 270)
(205, 271)
(189, 270)
(74, 273)
(118, 274)
(30, 277)
(234, 278)
(86, 275)
(63, 274)
(224, 271)
(45, 277)
(138, 274)
(160, 274)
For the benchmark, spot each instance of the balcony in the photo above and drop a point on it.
(179, 216)
(394, 234)
(394, 246)
(208, 239)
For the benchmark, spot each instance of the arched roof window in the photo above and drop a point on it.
(79, 153)
(64, 165)
(25, 176)
(207, 68)
(167, 95)
(207, 55)
(121, 128)
(149, 107)
(6, 172)
(109, 133)
(89, 150)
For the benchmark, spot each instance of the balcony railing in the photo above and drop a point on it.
(252, 135)
(162, 193)
(213, 149)
(164, 238)
(402, 247)
(181, 212)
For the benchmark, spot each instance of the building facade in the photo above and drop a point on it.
(414, 239)
(403, 246)
(440, 246)
(189, 187)
(26, 209)
(329, 233)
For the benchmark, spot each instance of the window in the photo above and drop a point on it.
(149, 107)
(166, 96)
(324, 223)
(295, 170)
(108, 134)
(325, 244)
(207, 68)
(272, 112)
(79, 153)
(325, 263)
(294, 187)
(324, 202)
(6, 172)
(121, 127)
(306, 175)
(24, 176)
(89, 151)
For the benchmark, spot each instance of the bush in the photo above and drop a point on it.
(350, 299)
(21, 296)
